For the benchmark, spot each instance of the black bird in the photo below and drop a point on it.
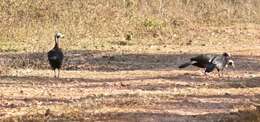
(208, 62)
(55, 56)
(219, 63)
(199, 61)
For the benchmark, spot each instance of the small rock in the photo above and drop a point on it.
(227, 94)
(47, 112)
(122, 43)
(122, 84)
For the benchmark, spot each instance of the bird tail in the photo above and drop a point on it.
(185, 65)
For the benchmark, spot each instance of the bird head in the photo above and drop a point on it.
(59, 35)
(230, 63)
(225, 54)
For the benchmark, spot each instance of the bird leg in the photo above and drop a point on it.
(219, 75)
(203, 72)
(58, 73)
(206, 75)
(222, 73)
(54, 73)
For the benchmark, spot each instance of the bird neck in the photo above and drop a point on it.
(57, 43)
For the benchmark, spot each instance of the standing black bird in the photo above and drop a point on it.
(208, 62)
(55, 56)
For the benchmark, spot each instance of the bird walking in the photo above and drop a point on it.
(199, 61)
(210, 62)
(219, 63)
(55, 56)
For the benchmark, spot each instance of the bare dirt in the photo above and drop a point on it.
(105, 86)
(121, 59)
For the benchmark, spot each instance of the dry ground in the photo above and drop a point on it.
(136, 83)
(122, 58)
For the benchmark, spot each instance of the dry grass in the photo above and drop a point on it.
(122, 57)
(29, 25)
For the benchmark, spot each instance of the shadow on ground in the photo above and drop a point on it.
(177, 104)
(155, 116)
(108, 61)
(166, 117)
(150, 117)
(173, 81)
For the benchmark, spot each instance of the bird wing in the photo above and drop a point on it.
(55, 55)
(220, 62)
(210, 67)
(202, 59)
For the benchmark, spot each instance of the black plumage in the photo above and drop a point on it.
(55, 56)
(219, 63)
(209, 62)
(199, 61)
